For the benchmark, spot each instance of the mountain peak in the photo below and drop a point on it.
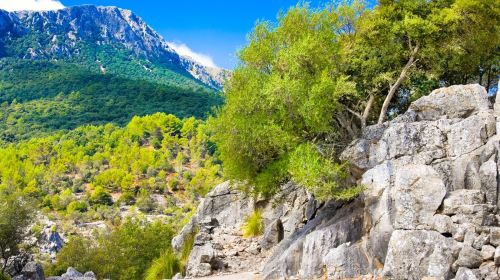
(68, 28)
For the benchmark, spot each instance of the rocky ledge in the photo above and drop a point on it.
(34, 271)
(429, 208)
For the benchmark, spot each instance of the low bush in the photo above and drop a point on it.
(254, 225)
(165, 267)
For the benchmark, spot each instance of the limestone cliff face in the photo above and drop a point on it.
(429, 209)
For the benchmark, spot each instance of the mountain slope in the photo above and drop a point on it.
(86, 33)
(92, 65)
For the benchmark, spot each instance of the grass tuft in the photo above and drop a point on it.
(254, 225)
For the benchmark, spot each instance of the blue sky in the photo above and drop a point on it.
(211, 30)
(214, 28)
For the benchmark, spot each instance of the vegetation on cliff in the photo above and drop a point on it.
(310, 83)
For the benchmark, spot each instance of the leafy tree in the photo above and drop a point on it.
(124, 253)
(309, 84)
(16, 215)
(410, 47)
(100, 196)
(285, 93)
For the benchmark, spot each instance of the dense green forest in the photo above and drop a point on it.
(91, 173)
(39, 97)
(74, 173)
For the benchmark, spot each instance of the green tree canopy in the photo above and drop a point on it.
(16, 213)
(309, 84)
(283, 95)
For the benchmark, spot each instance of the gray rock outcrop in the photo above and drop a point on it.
(429, 207)
(34, 271)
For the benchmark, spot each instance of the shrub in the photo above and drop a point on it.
(144, 201)
(100, 196)
(254, 225)
(165, 267)
(126, 252)
(76, 206)
(322, 177)
(186, 249)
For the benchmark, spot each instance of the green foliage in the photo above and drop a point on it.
(16, 214)
(165, 267)
(319, 175)
(144, 201)
(124, 253)
(39, 97)
(186, 249)
(284, 94)
(254, 225)
(454, 42)
(100, 196)
(309, 84)
(77, 206)
(80, 173)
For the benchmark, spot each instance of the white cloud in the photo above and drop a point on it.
(184, 50)
(30, 5)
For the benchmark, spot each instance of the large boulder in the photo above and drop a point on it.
(415, 254)
(418, 192)
(346, 262)
(460, 101)
(33, 271)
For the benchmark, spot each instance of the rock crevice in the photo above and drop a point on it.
(429, 208)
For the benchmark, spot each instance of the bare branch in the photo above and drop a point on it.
(354, 113)
(396, 85)
(367, 110)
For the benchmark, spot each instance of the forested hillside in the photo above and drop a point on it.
(62, 69)
(74, 173)
(39, 97)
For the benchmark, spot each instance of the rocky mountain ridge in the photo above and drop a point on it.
(429, 209)
(64, 33)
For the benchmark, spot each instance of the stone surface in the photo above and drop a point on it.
(414, 254)
(469, 257)
(455, 201)
(464, 273)
(33, 271)
(458, 101)
(274, 233)
(487, 252)
(418, 192)
(71, 272)
(495, 236)
(346, 261)
(442, 224)
(428, 209)
(497, 256)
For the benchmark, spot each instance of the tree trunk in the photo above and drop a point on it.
(366, 113)
(346, 125)
(393, 88)
(488, 81)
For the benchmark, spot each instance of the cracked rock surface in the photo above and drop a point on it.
(429, 208)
